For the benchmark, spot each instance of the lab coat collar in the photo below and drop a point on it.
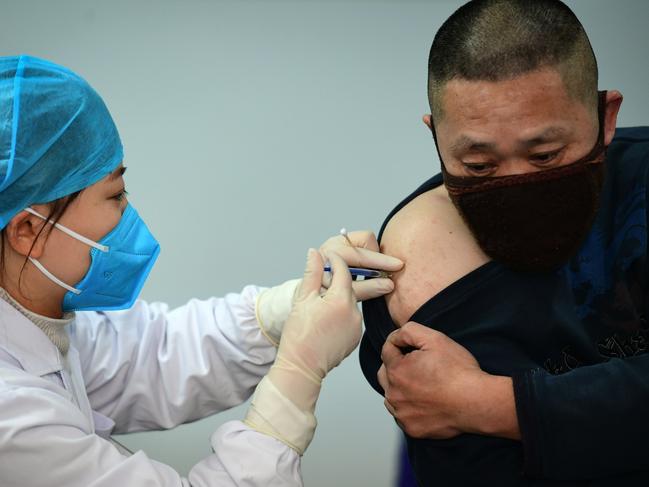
(23, 340)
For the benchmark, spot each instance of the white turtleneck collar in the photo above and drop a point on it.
(54, 328)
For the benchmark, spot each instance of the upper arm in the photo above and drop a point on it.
(429, 235)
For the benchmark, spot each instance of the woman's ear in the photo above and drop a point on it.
(613, 102)
(25, 234)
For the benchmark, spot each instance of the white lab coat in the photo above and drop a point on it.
(142, 369)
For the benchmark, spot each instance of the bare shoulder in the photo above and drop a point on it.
(429, 235)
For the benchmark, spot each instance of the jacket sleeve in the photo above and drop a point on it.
(45, 441)
(587, 423)
(151, 368)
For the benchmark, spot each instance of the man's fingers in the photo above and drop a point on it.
(390, 408)
(312, 279)
(372, 288)
(411, 335)
(382, 376)
(390, 354)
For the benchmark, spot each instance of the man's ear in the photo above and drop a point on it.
(428, 120)
(613, 102)
(24, 235)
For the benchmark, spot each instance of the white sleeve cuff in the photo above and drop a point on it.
(274, 414)
(272, 308)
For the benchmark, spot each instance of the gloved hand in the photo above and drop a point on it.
(364, 253)
(320, 332)
(273, 305)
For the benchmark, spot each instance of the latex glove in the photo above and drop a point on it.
(273, 305)
(364, 253)
(320, 332)
(272, 308)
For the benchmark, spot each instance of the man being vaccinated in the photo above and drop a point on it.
(513, 350)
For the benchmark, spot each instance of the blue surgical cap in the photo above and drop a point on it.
(56, 135)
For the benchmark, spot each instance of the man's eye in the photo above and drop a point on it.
(545, 157)
(479, 169)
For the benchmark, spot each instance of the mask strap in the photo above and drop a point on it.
(71, 233)
(52, 277)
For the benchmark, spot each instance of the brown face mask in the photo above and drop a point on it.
(535, 221)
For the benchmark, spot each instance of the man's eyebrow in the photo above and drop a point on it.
(466, 143)
(548, 135)
(117, 173)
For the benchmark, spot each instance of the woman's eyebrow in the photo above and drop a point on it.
(117, 173)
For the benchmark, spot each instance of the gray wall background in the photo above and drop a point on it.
(255, 129)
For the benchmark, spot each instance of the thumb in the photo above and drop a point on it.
(341, 281)
(412, 335)
(312, 279)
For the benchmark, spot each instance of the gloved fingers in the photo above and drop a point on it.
(312, 280)
(326, 280)
(372, 288)
(364, 239)
(341, 279)
(364, 251)
(359, 257)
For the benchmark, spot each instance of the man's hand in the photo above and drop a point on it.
(436, 389)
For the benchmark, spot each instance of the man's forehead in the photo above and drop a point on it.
(536, 89)
(530, 108)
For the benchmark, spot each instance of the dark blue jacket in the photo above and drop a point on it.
(575, 343)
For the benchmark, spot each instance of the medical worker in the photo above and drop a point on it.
(80, 358)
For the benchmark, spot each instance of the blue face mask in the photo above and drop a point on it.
(120, 263)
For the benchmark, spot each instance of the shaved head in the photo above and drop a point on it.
(495, 40)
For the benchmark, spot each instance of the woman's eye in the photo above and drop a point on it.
(121, 195)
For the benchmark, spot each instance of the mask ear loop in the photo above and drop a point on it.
(52, 277)
(71, 233)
